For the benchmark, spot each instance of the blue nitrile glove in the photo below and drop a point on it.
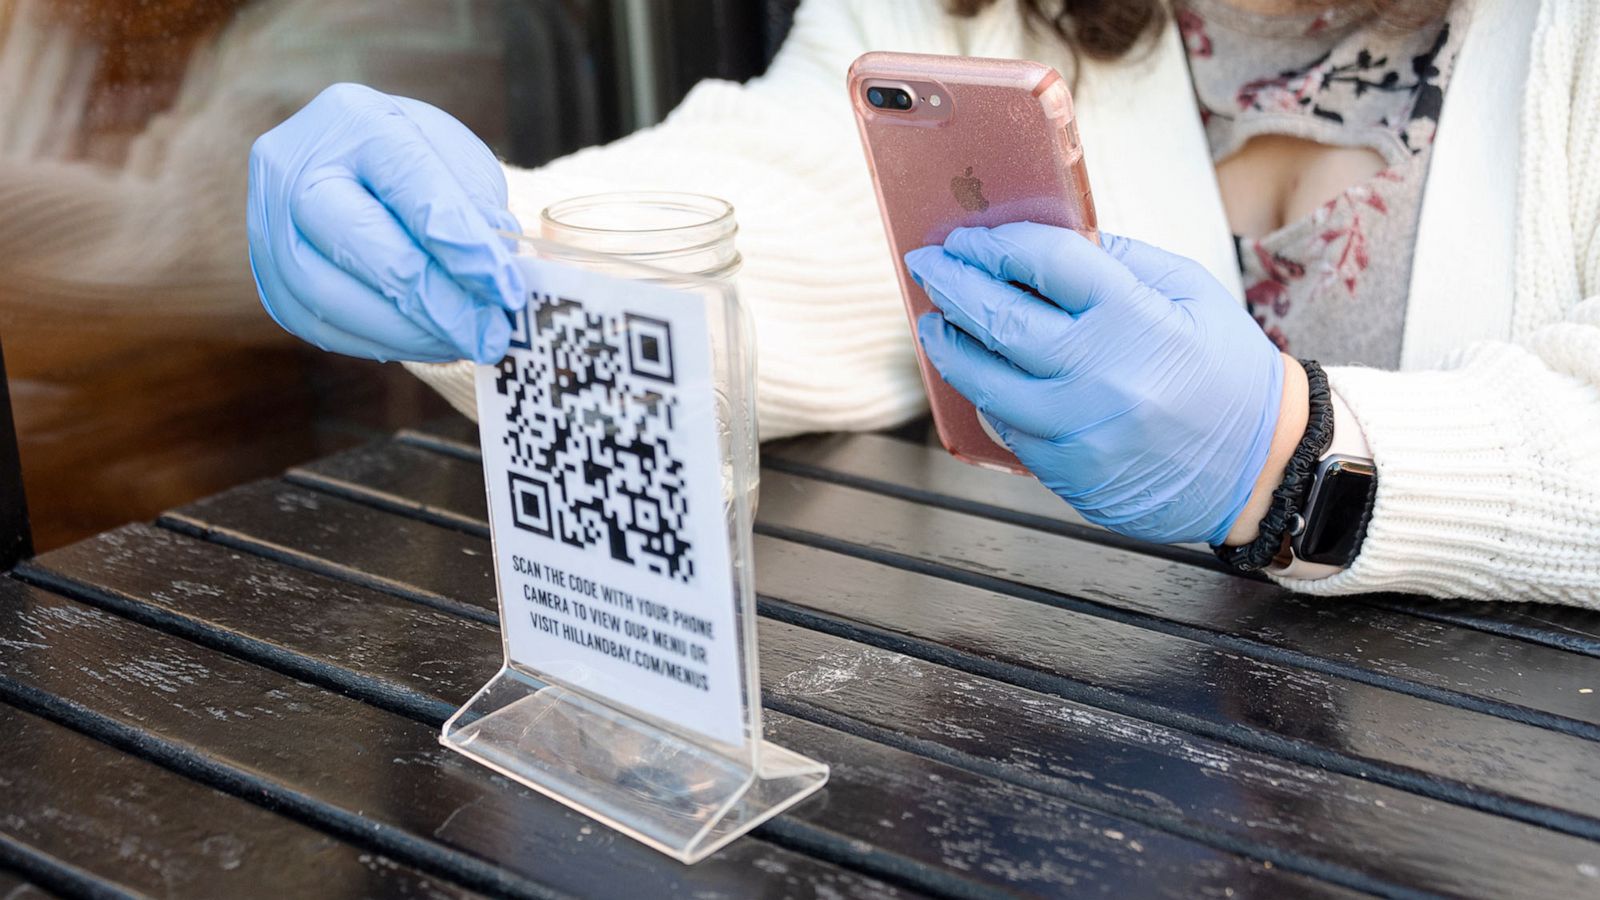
(1133, 385)
(372, 226)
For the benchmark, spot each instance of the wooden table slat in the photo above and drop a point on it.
(85, 807)
(1378, 646)
(1346, 822)
(919, 472)
(1458, 754)
(1056, 651)
(1050, 743)
(351, 767)
(1031, 607)
(1499, 675)
(925, 473)
(408, 478)
(923, 814)
(414, 559)
(929, 476)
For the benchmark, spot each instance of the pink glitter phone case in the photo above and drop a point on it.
(976, 142)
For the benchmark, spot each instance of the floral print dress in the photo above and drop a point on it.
(1332, 285)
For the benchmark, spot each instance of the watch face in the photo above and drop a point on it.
(1337, 518)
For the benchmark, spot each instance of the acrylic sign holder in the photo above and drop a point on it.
(545, 722)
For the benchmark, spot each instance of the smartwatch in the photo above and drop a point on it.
(1325, 535)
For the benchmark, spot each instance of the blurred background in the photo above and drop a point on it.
(141, 370)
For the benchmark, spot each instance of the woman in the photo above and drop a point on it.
(121, 123)
(122, 128)
(1417, 203)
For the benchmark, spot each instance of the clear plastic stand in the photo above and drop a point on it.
(650, 758)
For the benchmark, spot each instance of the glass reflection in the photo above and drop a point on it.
(142, 370)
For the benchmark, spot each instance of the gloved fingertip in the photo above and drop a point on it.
(505, 221)
(514, 290)
(930, 334)
(494, 335)
(507, 230)
(921, 260)
(491, 351)
(1114, 244)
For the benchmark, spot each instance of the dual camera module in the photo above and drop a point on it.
(889, 98)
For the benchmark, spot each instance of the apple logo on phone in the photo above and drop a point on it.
(968, 191)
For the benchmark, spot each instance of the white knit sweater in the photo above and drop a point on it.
(1488, 453)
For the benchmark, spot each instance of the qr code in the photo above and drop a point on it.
(592, 407)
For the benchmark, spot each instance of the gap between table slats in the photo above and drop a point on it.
(467, 653)
(1490, 674)
(176, 598)
(277, 741)
(1006, 498)
(87, 818)
(1551, 809)
(930, 476)
(330, 502)
(1331, 638)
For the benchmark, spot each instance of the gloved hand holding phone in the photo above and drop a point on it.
(372, 225)
(1126, 378)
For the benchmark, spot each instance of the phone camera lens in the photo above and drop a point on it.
(889, 98)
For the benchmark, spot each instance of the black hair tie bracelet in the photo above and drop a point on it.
(1289, 497)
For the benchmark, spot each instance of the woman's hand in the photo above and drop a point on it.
(372, 226)
(1126, 378)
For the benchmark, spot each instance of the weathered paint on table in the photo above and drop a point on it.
(242, 699)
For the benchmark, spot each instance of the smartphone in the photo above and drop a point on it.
(958, 141)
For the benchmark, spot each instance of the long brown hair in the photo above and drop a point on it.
(1109, 29)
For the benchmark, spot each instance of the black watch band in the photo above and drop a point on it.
(1289, 499)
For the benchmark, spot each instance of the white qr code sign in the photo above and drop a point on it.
(601, 455)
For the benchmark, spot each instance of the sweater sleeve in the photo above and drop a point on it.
(1489, 467)
(833, 349)
(158, 239)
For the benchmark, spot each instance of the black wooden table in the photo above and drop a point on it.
(244, 698)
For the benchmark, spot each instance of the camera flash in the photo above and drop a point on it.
(933, 100)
